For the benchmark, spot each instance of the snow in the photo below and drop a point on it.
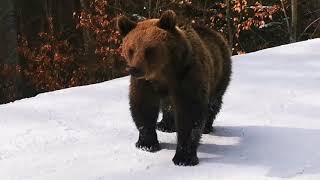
(269, 128)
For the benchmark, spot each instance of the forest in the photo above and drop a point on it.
(47, 45)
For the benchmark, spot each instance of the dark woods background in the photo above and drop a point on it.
(47, 45)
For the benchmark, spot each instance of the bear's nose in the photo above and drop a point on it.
(135, 72)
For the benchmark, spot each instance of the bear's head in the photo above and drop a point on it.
(147, 45)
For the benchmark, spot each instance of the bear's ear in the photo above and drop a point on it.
(168, 20)
(125, 25)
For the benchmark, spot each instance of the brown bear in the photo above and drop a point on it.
(184, 71)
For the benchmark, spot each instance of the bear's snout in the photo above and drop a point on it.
(135, 72)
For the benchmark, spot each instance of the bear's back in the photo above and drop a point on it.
(220, 56)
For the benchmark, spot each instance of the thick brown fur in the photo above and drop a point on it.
(183, 71)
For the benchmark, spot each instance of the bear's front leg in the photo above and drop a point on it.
(190, 113)
(144, 106)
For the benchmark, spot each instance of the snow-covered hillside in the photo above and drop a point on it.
(269, 128)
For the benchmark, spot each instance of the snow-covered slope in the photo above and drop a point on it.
(269, 128)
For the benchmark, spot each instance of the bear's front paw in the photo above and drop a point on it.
(185, 160)
(150, 147)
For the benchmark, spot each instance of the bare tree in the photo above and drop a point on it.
(294, 20)
(8, 29)
(116, 3)
(88, 41)
(312, 28)
(286, 17)
(205, 6)
(157, 8)
(150, 7)
(8, 38)
(230, 31)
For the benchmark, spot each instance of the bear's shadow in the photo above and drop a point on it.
(286, 152)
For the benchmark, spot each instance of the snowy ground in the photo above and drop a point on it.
(269, 128)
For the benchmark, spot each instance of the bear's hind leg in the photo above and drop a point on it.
(167, 123)
(144, 106)
(213, 110)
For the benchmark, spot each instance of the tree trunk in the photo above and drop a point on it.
(88, 41)
(150, 8)
(294, 20)
(116, 3)
(8, 46)
(205, 9)
(8, 29)
(230, 31)
(157, 9)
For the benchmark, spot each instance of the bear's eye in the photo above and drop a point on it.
(151, 52)
(130, 53)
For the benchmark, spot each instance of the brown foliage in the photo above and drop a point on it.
(55, 64)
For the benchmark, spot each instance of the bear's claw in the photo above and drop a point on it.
(148, 147)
